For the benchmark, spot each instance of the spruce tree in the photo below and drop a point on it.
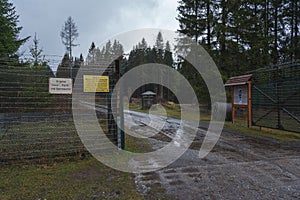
(64, 70)
(36, 52)
(9, 34)
(91, 57)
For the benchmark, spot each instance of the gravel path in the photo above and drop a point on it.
(239, 167)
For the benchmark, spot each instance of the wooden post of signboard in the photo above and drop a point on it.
(246, 104)
(249, 104)
(241, 85)
(232, 102)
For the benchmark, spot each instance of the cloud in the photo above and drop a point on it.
(96, 20)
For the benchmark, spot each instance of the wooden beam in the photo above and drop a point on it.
(232, 104)
(249, 121)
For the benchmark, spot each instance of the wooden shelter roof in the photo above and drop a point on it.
(238, 80)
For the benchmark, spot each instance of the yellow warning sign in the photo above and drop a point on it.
(95, 83)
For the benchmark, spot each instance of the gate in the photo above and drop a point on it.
(36, 124)
(276, 97)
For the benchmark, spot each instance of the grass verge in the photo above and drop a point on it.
(67, 179)
(174, 111)
(136, 145)
(279, 135)
(84, 179)
(265, 132)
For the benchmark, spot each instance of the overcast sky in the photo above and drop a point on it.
(97, 20)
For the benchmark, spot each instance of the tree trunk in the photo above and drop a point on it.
(208, 24)
(275, 48)
(296, 39)
(196, 22)
(292, 31)
(223, 31)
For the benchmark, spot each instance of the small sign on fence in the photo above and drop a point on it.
(95, 83)
(60, 85)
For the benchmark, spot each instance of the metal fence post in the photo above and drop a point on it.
(121, 136)
(279, 125)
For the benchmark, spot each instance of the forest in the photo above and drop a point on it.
(241, 36)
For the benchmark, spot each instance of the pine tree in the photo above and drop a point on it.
(290, 43)
(91, 57)
(159, 43)
(108, 48)
(69, 34)
(143, 44)
(159, 49)
(36, 51)
(117, 48)
(81, 58)
(188, 18)
(9, 34)
(168, 57)
(93, 46)
(64, 70)
(77, 64)
(242, 35)
(143, 54)
(168, 60)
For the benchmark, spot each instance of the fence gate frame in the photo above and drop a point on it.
(276, 74)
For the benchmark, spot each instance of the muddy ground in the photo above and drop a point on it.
(239, 167)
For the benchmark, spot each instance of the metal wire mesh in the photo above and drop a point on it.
(240, 116)
(37, 125)
(276, 97)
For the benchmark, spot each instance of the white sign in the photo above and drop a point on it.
(241, 95)
(60, 86)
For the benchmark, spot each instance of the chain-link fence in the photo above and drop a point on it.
(37, 125)
(276, 97)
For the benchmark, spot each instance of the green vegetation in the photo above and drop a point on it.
(239, 35)
(40, 141)
(174, 111)
(9, 34)
(159, 53)
(242, 35)
(136, 145)
(87, 179)
(59, 175)
(264, 132)
(239, 126)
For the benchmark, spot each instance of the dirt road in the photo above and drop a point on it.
(239, 167)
